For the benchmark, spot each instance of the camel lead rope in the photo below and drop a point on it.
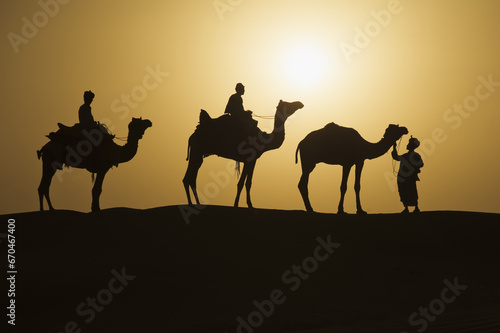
(394, 172)
(263, 117)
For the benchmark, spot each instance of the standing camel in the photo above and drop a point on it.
(335, 144)
(226, 138)
(96, 152)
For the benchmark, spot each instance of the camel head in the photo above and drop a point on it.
(138, 126)
(286, 109)
(394, 132)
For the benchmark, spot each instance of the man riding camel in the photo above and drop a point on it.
(235, 104)
(235, 108)
(85, 112)
(86, 129)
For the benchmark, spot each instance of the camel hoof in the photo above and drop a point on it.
(361, 212)
(341, 212)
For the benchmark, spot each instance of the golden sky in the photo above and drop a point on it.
(432, 66)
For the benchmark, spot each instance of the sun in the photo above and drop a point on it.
(305, 65)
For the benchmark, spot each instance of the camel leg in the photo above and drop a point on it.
(248, 183)
(97, 190)
(195, 162)
(346, 169)
(193, 182)
(241, 182)
(303, 182)
(357, 187)
(185, 181)
(43, 189)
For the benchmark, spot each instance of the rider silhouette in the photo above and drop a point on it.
(235, 108)
(235, 104)
(85, 112)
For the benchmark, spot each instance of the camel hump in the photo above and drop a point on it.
(332, 126)
(204, 116)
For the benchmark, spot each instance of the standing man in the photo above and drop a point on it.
(409, 168)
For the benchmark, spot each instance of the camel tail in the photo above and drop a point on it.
(297, 153)
(93, 177)
(39, 153)
(237, 169)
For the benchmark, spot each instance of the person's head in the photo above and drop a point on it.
(88, 97)
(240, 89)
(413, 144)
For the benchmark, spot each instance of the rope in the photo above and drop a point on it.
(394, 162)
(263, 117)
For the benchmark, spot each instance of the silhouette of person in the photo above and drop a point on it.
(409, 168)
(85, 112)
(235, 103)
(235, 108)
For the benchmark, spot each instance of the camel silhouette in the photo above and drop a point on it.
(343, 146)
(99, 155)
(226, 137)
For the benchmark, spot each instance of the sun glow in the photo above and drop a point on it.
(305, 65)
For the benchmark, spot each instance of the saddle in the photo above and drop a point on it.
(71, 134)
(243, 123)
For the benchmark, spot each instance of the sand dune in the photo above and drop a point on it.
(240, 270)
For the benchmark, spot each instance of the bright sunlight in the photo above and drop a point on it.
(306, 65)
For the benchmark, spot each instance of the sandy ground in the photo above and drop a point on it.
(240, 270)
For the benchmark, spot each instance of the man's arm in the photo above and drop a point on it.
(394, 153)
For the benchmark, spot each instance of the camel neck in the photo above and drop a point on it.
(277, 136)
(129, 149)
(378, 149)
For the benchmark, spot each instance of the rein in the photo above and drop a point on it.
(263, 117)
(394, 172)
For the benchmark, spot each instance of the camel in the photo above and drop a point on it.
(343, 146)
(95, 152)
(227, 138)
